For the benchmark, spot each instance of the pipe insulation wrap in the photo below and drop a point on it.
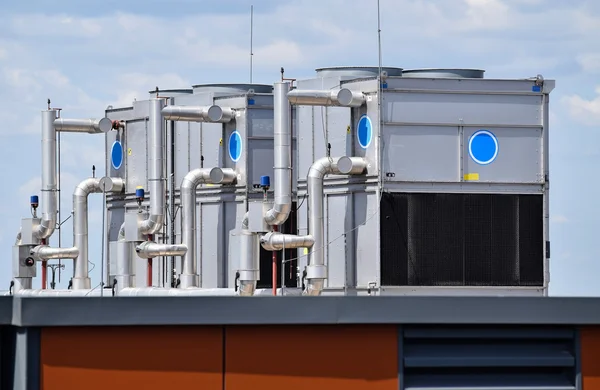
(156, 181)
(190, 277)
(282, 139)
(316, 271)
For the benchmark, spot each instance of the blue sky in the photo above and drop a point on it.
(88, 55)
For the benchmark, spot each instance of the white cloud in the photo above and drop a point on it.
(585, 111)
(589, 62)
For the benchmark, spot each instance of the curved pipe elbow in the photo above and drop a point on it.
(278, 214)
(153, 224)
(149, 250)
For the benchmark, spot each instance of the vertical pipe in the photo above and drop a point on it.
(155, 170)
(282, 140)
(274, 270)
(149, 274)
(149, 267)
(48, 222)
(45, 274)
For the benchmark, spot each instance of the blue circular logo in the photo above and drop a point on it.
(364, 131)
(235, 146)
(116, 154)
(483, 147)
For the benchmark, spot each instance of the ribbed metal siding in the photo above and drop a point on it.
(436, 239)
(488, 358)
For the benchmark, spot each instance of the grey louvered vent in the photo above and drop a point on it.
(489, 358)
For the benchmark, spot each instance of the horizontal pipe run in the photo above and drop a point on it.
(170, 292)
(43, 252)
(214, 114)
(38, 293)
(274, 241)
(341, 97)
(149, 250)
(91, 126)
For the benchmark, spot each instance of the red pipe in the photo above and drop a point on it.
(44, 274)
(44, 269)
(274, 275)
(149, 267)
(149, 277)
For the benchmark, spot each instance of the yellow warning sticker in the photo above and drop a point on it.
(471, 176)
(306, 251)
(129, 151)
(348, 129)
(221, 142)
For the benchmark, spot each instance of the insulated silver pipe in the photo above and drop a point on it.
(282, 139)
(189, 276)
(275, 241)
(50, 125)
(81, 280)
(91, 126)
(214, 113)
(156, 181)
(150, 250)
(316, 271)
(249, 270)
(49, 197)
(44, 252)
(341, 97)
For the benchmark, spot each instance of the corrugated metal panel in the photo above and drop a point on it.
(489, 358)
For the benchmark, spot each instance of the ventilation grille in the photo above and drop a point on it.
(438, 239)
(492, 358)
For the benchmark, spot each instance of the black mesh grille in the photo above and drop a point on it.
(461, 240)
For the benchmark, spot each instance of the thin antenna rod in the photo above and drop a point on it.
(379, 98)
(251, 38)
(379, 34)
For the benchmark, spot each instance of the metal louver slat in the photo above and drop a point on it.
(469, 358)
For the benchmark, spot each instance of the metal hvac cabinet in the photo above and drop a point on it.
(244, 144)
(456, 198)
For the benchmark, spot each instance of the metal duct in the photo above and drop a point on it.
(275, 241)
(249, 270)
(50, 125)
(341, 97)
(156, 181)
(316, 271)
(43, 252)
(282, 139)
(81, 279)
(150, 250)
(214, 113)
(189, 276)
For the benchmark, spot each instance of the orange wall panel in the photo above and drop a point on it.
(132, 358)
(590, 357)
(311, 357)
